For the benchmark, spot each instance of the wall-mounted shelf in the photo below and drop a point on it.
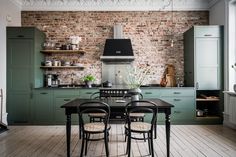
(62, 67)
(63, 51)
(210, 99)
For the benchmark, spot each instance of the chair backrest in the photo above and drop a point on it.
(142, 106)
(93, 107)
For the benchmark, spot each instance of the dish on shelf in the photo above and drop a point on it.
(78, 64)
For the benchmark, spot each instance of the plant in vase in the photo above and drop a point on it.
(134, 79)
(88, 80)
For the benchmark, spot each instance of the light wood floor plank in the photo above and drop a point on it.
(186, 140)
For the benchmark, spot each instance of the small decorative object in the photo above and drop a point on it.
(74, 40)
(88, 79)
(234, 67)
(134, 80)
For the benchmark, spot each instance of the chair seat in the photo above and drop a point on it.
(95, 127)
(136, 115)
(97, 115)
(139, 126)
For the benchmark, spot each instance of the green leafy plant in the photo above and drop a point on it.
(89, 78)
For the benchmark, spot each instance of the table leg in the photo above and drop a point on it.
(68, 133)
(168, 134)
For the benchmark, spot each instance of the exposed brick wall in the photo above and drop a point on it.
(150, 33)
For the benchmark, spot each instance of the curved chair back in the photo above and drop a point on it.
(142, 106)
(93, 107)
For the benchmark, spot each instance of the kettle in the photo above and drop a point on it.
(107, 84)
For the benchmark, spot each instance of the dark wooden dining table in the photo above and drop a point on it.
(116, 106)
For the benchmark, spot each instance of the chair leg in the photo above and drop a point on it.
(82, 147)
(125, 134)
(128, 150)
(86, 142)
(152, 144)
(149, 144)
(106, 144)
(155, 129)
(144, 137)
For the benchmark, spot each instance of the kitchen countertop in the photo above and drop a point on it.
(113, 87)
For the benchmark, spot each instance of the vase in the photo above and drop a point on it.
(135, 93)
(88, 84)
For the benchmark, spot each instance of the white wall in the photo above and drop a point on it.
(13, 12)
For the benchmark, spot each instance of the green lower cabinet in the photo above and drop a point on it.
(61, 97)
(183, 111)
(18, 108)
(86, 93)
(43, 107)
(150, 93)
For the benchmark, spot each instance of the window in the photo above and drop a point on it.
(231, 44)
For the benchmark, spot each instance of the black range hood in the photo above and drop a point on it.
(118, 50)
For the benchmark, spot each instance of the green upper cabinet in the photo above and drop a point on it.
(23, 72)
(203, 46)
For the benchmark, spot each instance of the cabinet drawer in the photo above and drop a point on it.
(150, 93)
(43, 92)
(177, 92)
(65, 93)
(182, 114)
(207, 31)
(86, 93)
(180, 102)
(21, 33)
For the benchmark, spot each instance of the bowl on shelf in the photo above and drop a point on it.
(78, 64)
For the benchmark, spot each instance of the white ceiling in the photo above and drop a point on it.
(113, 5)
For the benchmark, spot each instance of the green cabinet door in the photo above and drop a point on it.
(61, 97)
(18, 108)
(23, 45)
(43, 107)
(18, 80)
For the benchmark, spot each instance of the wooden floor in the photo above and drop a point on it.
(186, 141)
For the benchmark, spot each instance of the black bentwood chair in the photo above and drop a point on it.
(93, 127)
(134, 128)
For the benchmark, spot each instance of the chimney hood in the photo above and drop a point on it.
(118, 50)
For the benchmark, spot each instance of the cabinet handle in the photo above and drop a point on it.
(197, 85)
(177, 92)
(177, 99)
(88, 92)
(177, 111)
(148, 92)
(66, 99)
(207, 35)
(43, 93)
(20, 36)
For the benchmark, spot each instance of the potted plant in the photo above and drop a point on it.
(88, 80)
(134, 79)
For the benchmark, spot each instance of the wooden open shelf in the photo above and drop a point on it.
(63, 51)
(209, 99)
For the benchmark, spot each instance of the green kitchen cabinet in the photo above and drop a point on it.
(203, 57)
(86, 93)
(43, 107)
(150, 93)
(183, 100)
(23, 72)
(62, 96)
